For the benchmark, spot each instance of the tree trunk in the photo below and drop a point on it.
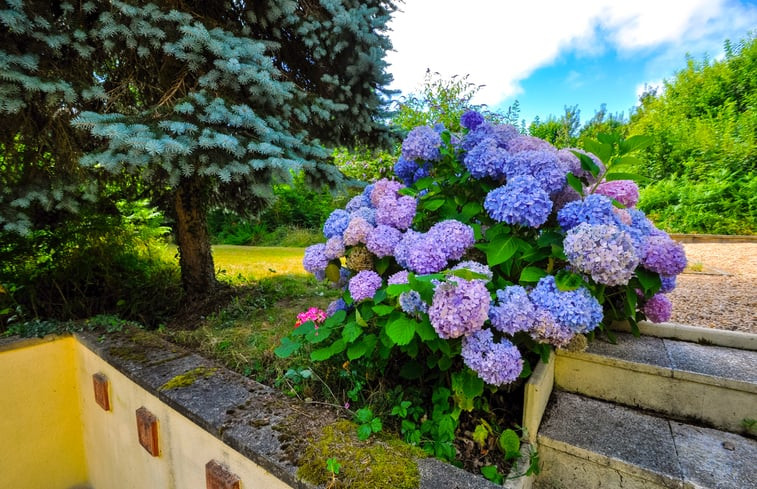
(195, 257)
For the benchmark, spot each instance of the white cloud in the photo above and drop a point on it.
(500, 43)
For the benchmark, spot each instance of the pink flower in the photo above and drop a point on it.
(313, 314)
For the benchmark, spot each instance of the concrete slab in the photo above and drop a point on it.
(715, 459)
(645, 350)
(716, 362)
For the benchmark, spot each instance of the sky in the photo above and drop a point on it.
(548, 54)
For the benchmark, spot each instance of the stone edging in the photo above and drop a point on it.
(713, 238)
(694, 334)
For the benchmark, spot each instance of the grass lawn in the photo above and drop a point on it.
(255, 262)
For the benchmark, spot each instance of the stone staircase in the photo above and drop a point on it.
(648, 413)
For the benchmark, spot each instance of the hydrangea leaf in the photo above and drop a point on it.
(625, 176)
(532, 274)
(383, 310)
(351, 332)
(575, 183)
(500, 250)
(286, 348)
(510, 444)
(401, 331)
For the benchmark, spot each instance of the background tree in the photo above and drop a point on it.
(209, 103)
(562, 132)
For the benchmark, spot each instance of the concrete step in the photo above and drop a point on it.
(712, 385)
(586, 443)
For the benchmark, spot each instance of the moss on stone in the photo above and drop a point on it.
(188, 378)
(129, 353)
(375, 464)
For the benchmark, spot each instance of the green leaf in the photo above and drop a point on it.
(575, 183)
(364, 415)
(650, 281)
(332, 272)
(481, 433)
(286, 348)
(382, 264)
(587, 163)
(336, 318)
(434, 204)
(630, 303)
(567, 281)
(635, 143)
(364, 432)
(492, 474)
(425, 331)
(351, 332)
(401, 331)
(362, 347)
(469, 210)
(359, 319)
(376, 425)
(445, 363)
(325, 353)
(383, 310)
(532, 274)
(510, 444)
(625, 176)
(602, 150)
(500, 250)
(396, 289)
(466, 386)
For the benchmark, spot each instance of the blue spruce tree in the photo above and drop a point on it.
(208, 102)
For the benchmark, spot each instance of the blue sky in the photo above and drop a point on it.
(550, 53)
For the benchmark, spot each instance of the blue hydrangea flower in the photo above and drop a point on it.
(454, 237)
(594, 209)
(402, 250)
(575, 309)
(513, 310)
(336, 223)
(382, 240)
(663, 255)
(486, 159)
(522, 201)
(668, 283)
(658, 309)
(495, 363)
(364, 285)
(501, 133)
(315, 258)
(546, 330)
(602, 251)
(367, 191)
(411, 302)
(337, 305)
(529, 143)
(459, 308)
(543, 166)
(405, 170)
(367, 213)
(425, 256)
(471, 119)
(357, 202)
(334, 248)
(396, 212)
(422, 143)
(357, 231)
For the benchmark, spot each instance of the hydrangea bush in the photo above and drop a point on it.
(488, 250)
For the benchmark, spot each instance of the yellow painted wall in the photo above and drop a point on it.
(41, 444)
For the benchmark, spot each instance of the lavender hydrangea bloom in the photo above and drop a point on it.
(357, 202)
(383, 189)
(402, 250)
(471, 119)
(459, 308)
(661, 254)
(513, 310)
(453, 237)
(594, 209)
(364, 285)
(315, 258)
(337, 305)
(334, 248)
(529, 143)
(575, 309)
(425, 256)
(475, 267)
(668, 283)
(382, 240)
(336, 223)
(520, 202)
(400, 277)
(546, 330)
(411, 302)
(422, 143)
(658, 309)
(624, 191)
(602, 251)
(495, 363)
(357, 231)
(543, 166)
(367, 213)
(566, 195)
(397, 213)
(486, 159)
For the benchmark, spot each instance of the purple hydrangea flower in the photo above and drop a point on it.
(357, 202)
(334, 248)
(543, 166)
(422, 143)
(459, 308)
(566, 195)
(475, 267)
(594, 209)
(402, 250)
(397, 213)
(520, 202)
(384, 188)
(529, 143)
(495, 363)
(546, 330)
(602, 251)
(486, 159)
(367, 213)
(337, 305)
(315, 258)
(453, 237)
(405, 170)
(357, 231)
(575, 309)
(382, 240)
(411, 302)
(364, 285)
(623, 216)
(624, 191)
(471, 119)
(400, 277)
(513, 310)
(658, 309)
(661, 254)
(668, 283)
(425, 256)
(336, 223)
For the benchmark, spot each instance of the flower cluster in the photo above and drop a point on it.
(459, 308)
(604, 252)
(496, 363)
(364, 285)
(314, 314)
(624, 191)
(521, 202)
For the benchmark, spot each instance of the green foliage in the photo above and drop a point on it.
(703, 156)
(561, 132)
(365, 165)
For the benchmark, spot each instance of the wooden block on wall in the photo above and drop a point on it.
(218, 476)
(102, 390)
(147, 429)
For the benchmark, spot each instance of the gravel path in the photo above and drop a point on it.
(719, 287)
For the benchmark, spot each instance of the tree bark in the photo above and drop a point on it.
(195, 257)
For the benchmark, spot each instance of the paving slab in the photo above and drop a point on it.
(644, 350)
(713, 361)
